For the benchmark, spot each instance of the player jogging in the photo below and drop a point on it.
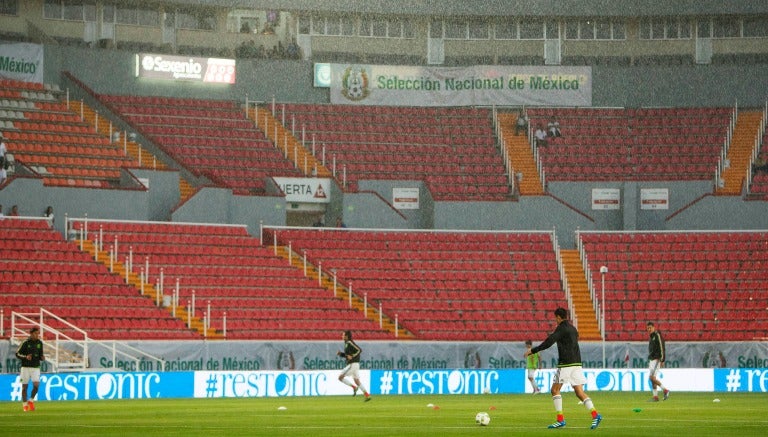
(351, 353)
(569, 370)
(31, 354)
(657, 351)
(532, 363)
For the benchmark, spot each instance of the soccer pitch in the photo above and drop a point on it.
(625, 414)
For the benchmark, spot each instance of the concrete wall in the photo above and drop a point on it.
(219, 205)
(111, 72)
(33, 198)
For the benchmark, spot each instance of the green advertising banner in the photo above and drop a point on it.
(22, 61)
(389, 85)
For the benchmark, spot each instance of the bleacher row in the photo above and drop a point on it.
(713, 281)
(451, 149)
(474, 286)
(633, 144)
(51, 142)
(210, 139)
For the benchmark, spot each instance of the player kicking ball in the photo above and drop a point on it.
(569, 370)
(351, 353)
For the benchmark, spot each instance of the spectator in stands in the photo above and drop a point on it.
(522, 122)
(351, 354)
(656, 355)
(569, 370)
(247, 49)
(340, 223)
(541, 137)
(49, 214)
(3, 175)
(3, 151)
(553, 128)
(31, 354)
(241, 49)
(319, 222)
(14, 211)
(760, 164)
(532, 364)
(292, 51)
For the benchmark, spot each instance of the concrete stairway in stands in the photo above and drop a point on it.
(284, 140)
(518, 149)
(149, 291)
(742, 143)
(582, 302)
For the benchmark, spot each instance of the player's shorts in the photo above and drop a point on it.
(30, 373)
(653, 367)
(531, 373)
(352, 370)
(570, 375)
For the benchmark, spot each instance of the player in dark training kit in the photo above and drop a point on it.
(351, 353)
(569, 370)
(31, 354)
(657, 352)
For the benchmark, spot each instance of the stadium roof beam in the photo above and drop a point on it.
(496, 8)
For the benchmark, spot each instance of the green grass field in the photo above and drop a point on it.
(687, 414)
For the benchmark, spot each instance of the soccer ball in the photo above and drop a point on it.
(482, 419)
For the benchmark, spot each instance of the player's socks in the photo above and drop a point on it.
(557, 400)
(588, 404)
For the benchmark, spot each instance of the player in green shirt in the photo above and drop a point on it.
(532, 363)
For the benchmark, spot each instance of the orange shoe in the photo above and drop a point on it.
(31, 406)
(25, 407)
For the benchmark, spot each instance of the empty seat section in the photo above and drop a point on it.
(54, 142)
(712, 279)
(229, 273)
(41, 270)
(210, 138)
(443, 285)
(403, 143)
(599, 144)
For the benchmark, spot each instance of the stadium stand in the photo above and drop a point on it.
(38, 268)
(625, 144)
(468, 286)
(759, 186)
(702, 286)
(260, 294)
(460, 285)
(444, 286)
(451, 149)
(54, 143)
(210, 138)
